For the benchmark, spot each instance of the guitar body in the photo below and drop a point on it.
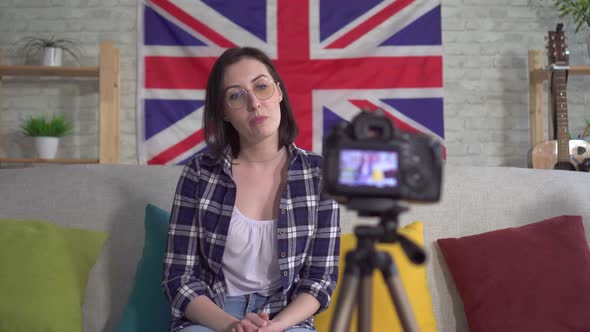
(544, 156)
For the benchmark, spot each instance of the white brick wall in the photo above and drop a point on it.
(89, 21)
(485, 74)
(486, 46)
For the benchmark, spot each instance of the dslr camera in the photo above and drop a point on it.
(371, 158)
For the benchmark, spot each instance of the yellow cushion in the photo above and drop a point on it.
(413, 278)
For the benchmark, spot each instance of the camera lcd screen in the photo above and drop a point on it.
(368, 168)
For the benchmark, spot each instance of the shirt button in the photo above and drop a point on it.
(283, 211)
(285, 273)
(283, 254)
(282, 232)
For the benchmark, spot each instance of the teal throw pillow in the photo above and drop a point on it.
(44, 269)
(147, 308)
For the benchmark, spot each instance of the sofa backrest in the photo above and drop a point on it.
(109, 198)
(481, 199)
(112, 198)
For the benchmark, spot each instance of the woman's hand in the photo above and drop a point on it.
(252, 322)
(272, 327)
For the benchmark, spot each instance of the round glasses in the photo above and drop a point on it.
(236, 97)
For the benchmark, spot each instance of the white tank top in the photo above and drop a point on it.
(250, 262)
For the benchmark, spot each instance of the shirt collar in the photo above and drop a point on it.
(227, 158)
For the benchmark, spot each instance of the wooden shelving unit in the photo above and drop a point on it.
(537, 75)
(107, 73)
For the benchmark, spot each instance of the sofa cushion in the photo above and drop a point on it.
(147, 308)
(530, 278)
(413, 277)
(43, 274)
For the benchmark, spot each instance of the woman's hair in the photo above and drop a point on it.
(218, 132)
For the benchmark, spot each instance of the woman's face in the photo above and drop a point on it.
(251, 101)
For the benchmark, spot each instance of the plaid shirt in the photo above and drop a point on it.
(308, 235)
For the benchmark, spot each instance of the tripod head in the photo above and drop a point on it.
(387, 230)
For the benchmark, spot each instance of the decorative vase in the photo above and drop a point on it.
(46, 146)
(52, 56)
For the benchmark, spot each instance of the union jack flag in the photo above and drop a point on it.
(335, 57)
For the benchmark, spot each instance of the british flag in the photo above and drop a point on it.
(335, 57)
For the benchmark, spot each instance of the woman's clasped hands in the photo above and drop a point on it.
(254, 322)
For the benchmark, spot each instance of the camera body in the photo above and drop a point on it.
(370, 158)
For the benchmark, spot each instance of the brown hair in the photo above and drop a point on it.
(220, 133)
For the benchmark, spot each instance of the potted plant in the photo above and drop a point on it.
(46, 133)
(50, 49)
(580, 12)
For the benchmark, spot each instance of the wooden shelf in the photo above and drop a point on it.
(537, 75)
(48, 161)
(6, 70)
(541, 74)
(107, 73)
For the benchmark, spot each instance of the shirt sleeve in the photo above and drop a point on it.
(182, 256)
(320, 270)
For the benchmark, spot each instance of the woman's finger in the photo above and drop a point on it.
(255, 319)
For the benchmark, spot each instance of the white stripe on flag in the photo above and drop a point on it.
(338, 102)
(175, 133)
(408, 120)
(185, 51)
(231, 30)
(173, 94)
(187, 153)
(395, 23)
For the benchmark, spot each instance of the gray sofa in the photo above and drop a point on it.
(113, 197)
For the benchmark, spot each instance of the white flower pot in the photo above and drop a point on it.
(52, 56)
(46, 146)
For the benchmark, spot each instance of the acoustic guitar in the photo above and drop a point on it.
(560, 153)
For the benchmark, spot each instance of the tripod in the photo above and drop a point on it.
(364, 259)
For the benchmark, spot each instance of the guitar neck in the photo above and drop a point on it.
(560, 98)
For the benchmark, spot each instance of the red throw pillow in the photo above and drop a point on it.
(530, 278)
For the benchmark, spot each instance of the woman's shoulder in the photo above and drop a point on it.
(307, 156)
(201, 160)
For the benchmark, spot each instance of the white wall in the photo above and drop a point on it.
(485, 74)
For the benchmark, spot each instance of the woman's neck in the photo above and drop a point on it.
(259, 150)
(260, 153)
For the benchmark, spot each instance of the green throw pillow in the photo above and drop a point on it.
(43, 274)
(147, 308)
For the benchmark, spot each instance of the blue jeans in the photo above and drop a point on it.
(239, 306)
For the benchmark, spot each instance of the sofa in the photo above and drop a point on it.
(112, 198)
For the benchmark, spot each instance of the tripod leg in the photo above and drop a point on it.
(398, 294)
(365, 302)
(345, 304)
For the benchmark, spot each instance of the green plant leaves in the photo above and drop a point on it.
(56, 126)
(579, 10)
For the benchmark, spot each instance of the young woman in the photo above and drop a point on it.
(253, 239)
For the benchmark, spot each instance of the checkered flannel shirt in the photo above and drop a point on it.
(308, 235)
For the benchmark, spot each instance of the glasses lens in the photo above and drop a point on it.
(238, 97)
(235, 97)
(263, 89)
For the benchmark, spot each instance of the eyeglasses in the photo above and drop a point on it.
(238, 97)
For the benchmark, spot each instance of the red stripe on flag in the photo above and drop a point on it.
(368, 25)
(368, 73)
(367, 105)
(163, 72)
(403, 72)
(177, 149)
(293, 31)
(193, 23)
